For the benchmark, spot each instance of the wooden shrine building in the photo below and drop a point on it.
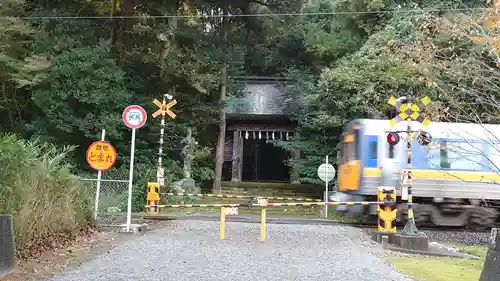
(255, 117)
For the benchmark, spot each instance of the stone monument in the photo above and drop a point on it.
(187, 184)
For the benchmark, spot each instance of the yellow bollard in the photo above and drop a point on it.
(222, 225)
(263, 225)
(386, 209)
(153, 198)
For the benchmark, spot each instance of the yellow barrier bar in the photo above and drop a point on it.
(222, 225)
(263, 230)
(364, 203)
(241, 196)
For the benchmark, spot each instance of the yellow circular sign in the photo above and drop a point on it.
(101, 155)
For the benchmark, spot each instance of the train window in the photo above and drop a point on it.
(349, 148)
(350, 152)
(465, 156)
(457, 156)
(373, 150)
(493, 158)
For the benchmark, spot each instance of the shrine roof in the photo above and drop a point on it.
(254, 97)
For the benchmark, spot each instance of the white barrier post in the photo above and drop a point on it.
(98, 185)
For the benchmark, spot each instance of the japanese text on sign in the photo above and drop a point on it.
(101, 155)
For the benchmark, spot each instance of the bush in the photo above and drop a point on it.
(38, 189)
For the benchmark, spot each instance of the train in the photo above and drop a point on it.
(455, 178)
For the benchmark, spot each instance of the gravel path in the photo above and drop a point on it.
(460, 237)
(191, 250)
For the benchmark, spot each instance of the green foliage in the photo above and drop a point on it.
(37, 188)
(422, 53)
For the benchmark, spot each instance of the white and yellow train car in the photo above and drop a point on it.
(456, 179)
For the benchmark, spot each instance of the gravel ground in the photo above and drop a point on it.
(453, 237)
(191, 250)
(462, 237)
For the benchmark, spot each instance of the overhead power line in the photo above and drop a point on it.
(400, 11)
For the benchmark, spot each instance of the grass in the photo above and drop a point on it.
(442, 269)
(38, 189)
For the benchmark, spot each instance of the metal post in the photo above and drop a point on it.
(410, 226)
(263, 214)
(130, 181)
(160, 149)
(222, 224)
(326, 192)
(98, 185)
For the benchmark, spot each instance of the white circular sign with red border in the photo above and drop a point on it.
(134, 116)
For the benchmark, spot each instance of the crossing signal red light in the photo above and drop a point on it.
(392, 138)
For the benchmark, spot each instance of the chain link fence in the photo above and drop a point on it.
(112, 201)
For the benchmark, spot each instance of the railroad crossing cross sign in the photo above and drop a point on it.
(409, 110)
(164, 108)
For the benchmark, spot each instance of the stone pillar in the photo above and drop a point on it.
(237, 159)
(491, 268)
(294, 175)
(8, 258)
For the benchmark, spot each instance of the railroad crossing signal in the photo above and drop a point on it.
(424, 138)
(409, 110)
(164, 108)
(393, 138)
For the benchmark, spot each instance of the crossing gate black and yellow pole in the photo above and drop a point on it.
(386, 209)
(153, 198)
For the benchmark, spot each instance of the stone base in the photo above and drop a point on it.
(134, 229)
(377, 236)
(418, 243)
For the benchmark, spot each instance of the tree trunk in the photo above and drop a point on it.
(219, 158)
(491, 268)
(114, 23)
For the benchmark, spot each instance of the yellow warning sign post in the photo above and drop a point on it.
(386, 209)
(153, 197)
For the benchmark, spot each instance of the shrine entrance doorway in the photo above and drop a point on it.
(264, 161)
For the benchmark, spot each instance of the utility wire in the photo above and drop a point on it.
(401, 11)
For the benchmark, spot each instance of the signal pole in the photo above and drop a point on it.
(410, 226)
(164, 108)
(408, 111)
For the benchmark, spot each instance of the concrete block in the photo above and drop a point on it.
(377, 236)
(419, 243)
(134, 229)
(385, 242)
